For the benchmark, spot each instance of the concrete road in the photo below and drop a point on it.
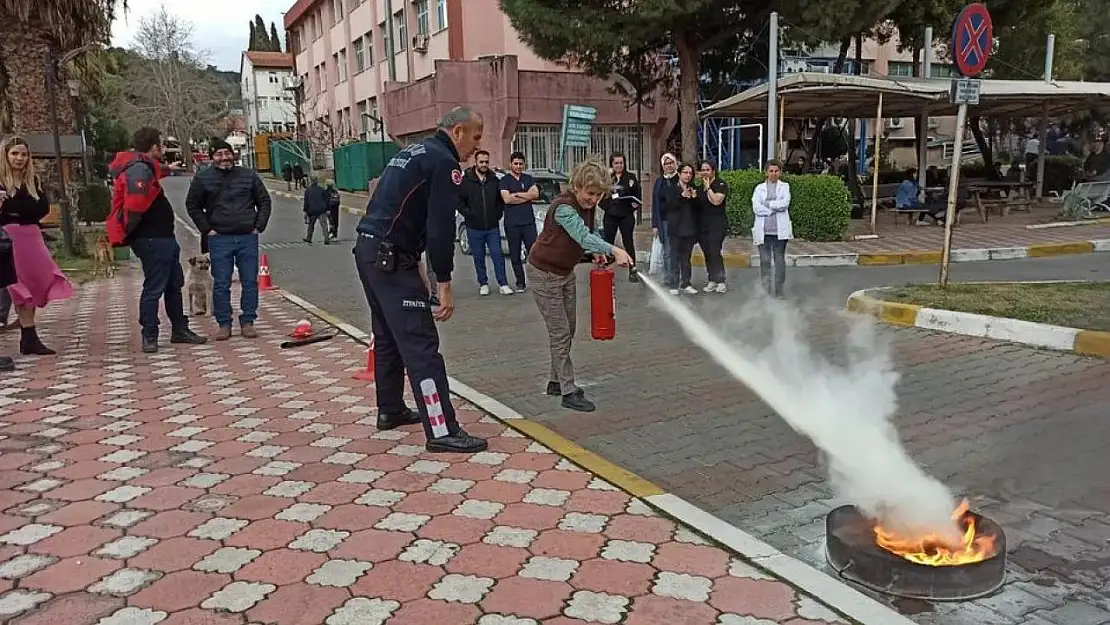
(1020, 431)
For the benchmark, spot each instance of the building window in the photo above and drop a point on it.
(274, 78)
(899, 68)
(402, 30)
(540, 144)
(369, 37)
(441, 13)
(317, 80)
(363, 121)
(337, 11)
(386, 44)
(341, 66)
(360, 55)
(345, 123)
(941, 71)
(422, 26)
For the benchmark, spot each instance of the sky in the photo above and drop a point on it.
(220, 27)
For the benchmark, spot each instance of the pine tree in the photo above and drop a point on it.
(275, 39)
(263, 38)
(252, 43)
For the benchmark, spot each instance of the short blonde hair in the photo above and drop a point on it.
(590, 175)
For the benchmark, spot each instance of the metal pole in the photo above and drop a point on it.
(391, 46)
(772, 87)
(875, 165)
(953, 185)
(782, 120)
(923, 140)
(51, 69)
(1049, 54)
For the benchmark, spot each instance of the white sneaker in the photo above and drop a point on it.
(690, 290)
(721, 287)
(506, 289)
(483, 290)
(709, 288)
(674, 291)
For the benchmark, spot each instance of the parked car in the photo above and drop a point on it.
(550, 183)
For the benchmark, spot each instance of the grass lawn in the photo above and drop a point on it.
(78, 269)
(1074, 304)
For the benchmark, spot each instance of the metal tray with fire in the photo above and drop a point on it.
(924, 567)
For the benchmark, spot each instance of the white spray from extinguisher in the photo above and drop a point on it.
(844, 410)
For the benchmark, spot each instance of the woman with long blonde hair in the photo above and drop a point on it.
(23, 204)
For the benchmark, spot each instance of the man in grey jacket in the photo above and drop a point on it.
(230, 205)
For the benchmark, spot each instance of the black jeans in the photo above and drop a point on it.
(712, 241)
(162, 280)
(773, 250)
(681, 249)
(521, 237)
(626, 225)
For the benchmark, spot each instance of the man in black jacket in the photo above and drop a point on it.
(481, 207)
(316, 211)
(232, 206)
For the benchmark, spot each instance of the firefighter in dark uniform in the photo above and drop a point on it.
(413, 211)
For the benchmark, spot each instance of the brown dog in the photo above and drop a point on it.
(105, 258)
(198, 286)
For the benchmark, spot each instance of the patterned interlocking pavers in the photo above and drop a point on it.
(1020, 429)
(240, 483)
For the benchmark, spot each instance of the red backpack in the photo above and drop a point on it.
(136, 183)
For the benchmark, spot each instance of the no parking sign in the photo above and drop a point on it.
(972, 39)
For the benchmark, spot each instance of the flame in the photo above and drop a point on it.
(930, 550)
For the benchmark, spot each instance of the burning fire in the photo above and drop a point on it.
(930, 550)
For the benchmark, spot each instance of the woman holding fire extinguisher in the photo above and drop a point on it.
(566, 237)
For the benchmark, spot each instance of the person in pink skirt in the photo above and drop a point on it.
(23, 204)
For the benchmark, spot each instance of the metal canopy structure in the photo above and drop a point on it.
(812, 94)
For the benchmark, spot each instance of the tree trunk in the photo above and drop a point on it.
(838, 67)
(853, 163)
(688, 95)
(984, 146)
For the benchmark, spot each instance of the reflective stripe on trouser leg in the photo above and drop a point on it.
(435, 409)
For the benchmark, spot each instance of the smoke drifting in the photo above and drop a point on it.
(845, 408)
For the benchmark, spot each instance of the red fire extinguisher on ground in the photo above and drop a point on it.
(603, 303)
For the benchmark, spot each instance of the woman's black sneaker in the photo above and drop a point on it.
(577, 401)
(7, 364)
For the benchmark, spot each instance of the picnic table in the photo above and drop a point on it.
(1005, 195)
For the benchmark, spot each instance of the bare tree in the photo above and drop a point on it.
(171, 88)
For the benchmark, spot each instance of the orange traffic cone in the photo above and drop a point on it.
(265, 282)
(367, 374)
(302, 330)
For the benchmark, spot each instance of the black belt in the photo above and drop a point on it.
(406, 260)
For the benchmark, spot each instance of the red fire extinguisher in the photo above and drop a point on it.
(603, 303)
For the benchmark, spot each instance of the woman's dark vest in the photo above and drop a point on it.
(554, 250)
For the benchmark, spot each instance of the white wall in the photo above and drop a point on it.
(265, 99)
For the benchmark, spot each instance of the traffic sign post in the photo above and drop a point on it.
(577, 123)
(972, 41)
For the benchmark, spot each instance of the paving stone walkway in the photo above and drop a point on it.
(240, 483)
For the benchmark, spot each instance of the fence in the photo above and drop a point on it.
(357, 163)
(540, 145)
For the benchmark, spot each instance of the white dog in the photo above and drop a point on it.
(198, 286)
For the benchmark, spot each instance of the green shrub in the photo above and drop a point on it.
(94, 203)
(819, 206)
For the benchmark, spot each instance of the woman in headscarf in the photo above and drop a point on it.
(658, 197)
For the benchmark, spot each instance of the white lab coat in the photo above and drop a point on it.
(777, 209)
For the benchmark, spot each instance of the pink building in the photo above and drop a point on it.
(430, 56)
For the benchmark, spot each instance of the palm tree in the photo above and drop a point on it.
(31, 29)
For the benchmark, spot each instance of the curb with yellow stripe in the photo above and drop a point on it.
(851, 603)
(1043, 335)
